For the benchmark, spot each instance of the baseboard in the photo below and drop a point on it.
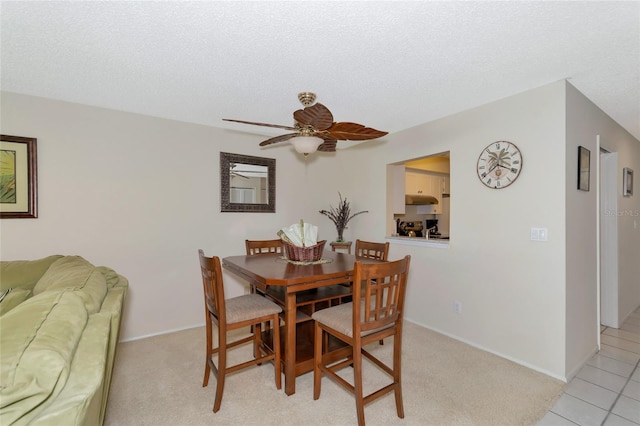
(160, 333)
(581, 364)
(501, 355)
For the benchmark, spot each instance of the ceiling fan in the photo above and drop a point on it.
(233, 172)
(314, 128)
(248, 171)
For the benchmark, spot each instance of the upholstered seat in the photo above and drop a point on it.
(340, 318)
(248, 307)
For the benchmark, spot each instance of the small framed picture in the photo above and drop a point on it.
(18, 178)
(627, 182)
(584, 168)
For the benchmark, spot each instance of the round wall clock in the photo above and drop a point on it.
(499, 164)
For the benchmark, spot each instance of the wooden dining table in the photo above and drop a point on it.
(300, 289)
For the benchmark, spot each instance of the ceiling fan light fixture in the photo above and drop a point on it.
(306, 144)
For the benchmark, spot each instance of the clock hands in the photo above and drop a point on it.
(495, 164)
(508, 166)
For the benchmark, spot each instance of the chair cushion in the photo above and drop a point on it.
(249, 306)
(340, 318)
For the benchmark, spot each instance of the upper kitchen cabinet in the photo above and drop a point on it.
(418, 182)
(425, 183)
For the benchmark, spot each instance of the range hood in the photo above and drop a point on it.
(419, 200)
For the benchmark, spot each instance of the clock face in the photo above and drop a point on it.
(499, 164)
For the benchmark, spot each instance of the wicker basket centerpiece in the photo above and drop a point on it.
(304, 254)
(296, 239)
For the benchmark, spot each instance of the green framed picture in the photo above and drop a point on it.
(18, 177)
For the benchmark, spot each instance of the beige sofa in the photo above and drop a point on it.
(59, 324)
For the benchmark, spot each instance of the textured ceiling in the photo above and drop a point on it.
(389, 65)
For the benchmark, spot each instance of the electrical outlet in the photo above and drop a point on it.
(457, 307)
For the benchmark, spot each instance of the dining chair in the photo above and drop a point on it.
(372, 250)
(249, 310)
(263, 246)
(376, 312)
(260, 247)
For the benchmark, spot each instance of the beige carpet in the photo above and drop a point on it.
(158, 381)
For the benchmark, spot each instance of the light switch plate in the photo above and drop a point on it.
(539, 234)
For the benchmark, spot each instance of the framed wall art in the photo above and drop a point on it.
(247, 183)
(584, 168)
(627, 182)
(18, 177)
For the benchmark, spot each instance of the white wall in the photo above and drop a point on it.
(585, 122)
(511, 289)
(141, 195)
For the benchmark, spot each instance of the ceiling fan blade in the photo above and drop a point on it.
(329, 145)
(277, 139)
(317, 116)
(353, 132)
(277, 126)
(239, 175)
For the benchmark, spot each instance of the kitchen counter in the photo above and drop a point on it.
(417, 241)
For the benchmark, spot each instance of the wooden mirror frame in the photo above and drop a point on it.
(226, 159)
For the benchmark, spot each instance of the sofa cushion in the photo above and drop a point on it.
(24, 273)
(13, 298)
(38, 340)
(77, 274)
(81, 397)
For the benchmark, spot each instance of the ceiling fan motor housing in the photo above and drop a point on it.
(306, 98)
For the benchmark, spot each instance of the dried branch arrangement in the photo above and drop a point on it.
(341, 215)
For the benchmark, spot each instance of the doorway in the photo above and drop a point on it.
(608, 245)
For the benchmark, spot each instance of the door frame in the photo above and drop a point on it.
(608, 292)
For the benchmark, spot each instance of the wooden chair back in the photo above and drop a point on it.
(372, 250)
(213, 286)
(263, 246)
(382, 291)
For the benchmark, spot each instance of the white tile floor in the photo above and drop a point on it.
(606, 391)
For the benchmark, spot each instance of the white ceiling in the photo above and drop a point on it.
(389, 65)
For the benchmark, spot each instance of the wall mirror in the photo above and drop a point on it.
(247, 183)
